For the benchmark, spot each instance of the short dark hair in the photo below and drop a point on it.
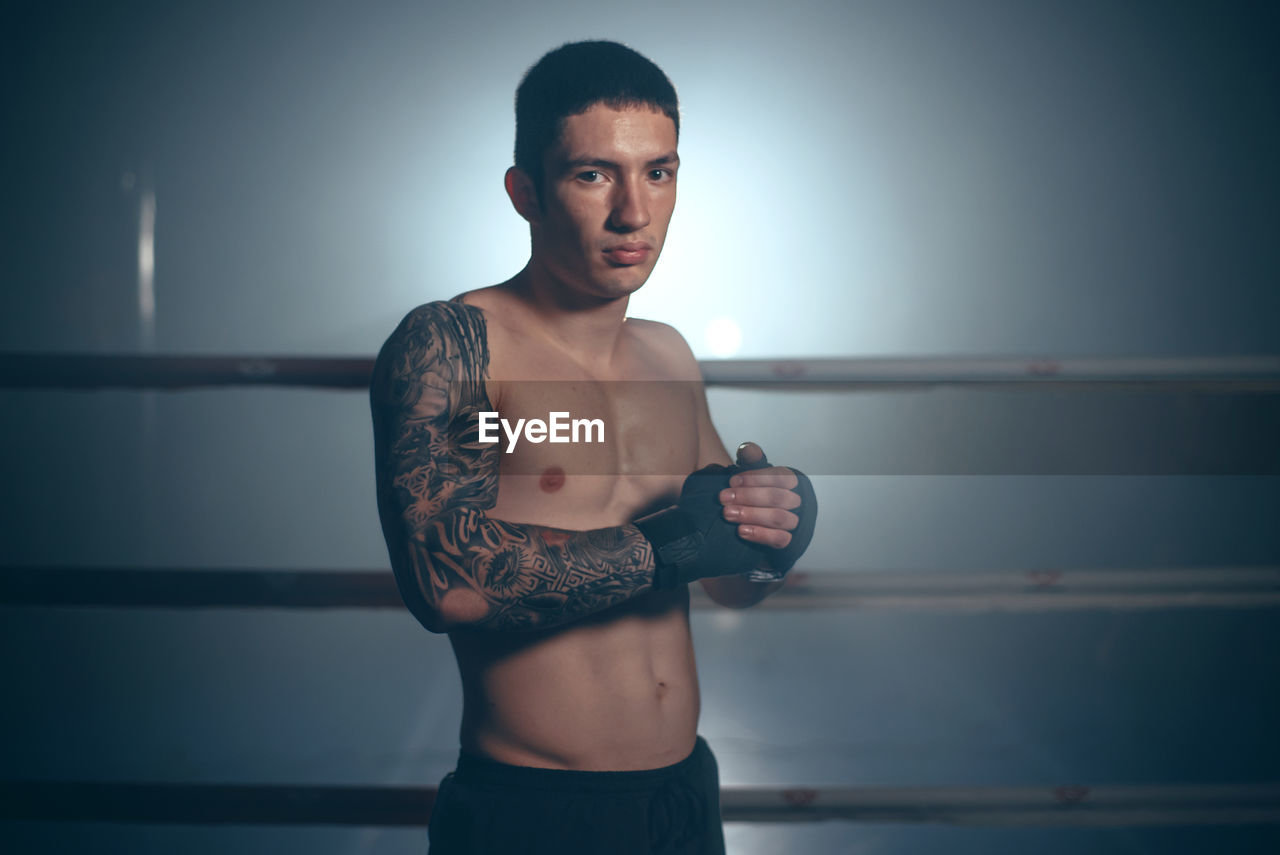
(571, 79)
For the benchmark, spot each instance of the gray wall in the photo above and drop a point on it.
(859, 179)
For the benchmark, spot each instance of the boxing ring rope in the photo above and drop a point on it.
(1044, 589)
(58, 371)
(1066, 806)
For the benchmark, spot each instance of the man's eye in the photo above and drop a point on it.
(590, 176)
(659, 174)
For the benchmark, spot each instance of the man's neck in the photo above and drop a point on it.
(586, 328)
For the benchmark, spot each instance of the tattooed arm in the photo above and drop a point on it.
(454, 565)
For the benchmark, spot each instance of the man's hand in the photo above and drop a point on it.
(773, 506)
(691, 539)
(761, 499)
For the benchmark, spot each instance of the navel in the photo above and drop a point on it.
(552, 479)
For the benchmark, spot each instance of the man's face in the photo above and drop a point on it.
(608, 194)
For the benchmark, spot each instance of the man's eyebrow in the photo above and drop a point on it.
(576, 162)
(668, 159)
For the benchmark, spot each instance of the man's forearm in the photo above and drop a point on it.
(489, 574)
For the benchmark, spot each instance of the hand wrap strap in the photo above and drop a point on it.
(692, 540)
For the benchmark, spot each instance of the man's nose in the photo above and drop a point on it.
(630, 207)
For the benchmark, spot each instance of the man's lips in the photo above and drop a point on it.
(626, 254)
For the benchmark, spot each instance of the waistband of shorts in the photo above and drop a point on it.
(475, 770)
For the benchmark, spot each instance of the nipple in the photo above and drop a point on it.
(552, 479)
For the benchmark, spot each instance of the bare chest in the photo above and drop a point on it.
(582, 452)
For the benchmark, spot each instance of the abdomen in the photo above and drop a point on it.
(615, 691)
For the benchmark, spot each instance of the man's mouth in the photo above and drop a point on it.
(627, 254)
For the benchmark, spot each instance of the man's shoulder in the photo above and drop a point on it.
(438, 321)
(441, 313)
(667, 344)
(657, 333)
(437, 333)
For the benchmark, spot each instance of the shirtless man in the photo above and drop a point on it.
(561, 571)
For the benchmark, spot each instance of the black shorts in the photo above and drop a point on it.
(489, 807)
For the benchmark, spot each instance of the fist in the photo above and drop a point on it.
(773, 506)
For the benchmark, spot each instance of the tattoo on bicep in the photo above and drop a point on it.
(436, 480)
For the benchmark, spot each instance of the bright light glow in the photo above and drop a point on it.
(147, 268)
(723, 337)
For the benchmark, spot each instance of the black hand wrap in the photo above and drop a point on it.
(692, 540)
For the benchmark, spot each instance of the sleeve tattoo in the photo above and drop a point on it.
(453, 564)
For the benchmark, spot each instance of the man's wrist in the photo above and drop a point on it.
(674, 540)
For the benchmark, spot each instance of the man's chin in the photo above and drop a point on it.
(607, 284)
(618, 290)
(621, 282)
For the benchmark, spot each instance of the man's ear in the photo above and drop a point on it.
(523, 195)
